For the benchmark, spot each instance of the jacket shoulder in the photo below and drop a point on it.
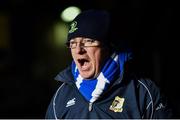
(58, 101)
(157, 105)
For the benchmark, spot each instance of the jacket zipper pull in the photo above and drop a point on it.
(90, 106)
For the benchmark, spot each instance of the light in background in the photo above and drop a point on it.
(58, 34)
(60, 28)
(70, 13)
(4, 31)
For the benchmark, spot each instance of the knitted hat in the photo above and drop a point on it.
(92, 24)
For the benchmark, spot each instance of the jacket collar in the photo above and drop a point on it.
(65, 76)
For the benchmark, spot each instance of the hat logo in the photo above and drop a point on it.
(117, 104)
(73, 27)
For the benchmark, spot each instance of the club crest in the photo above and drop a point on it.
(73, 27)
(117, 104)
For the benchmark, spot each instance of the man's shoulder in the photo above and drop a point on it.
(148, 87)
(64, 75)
(147, 83)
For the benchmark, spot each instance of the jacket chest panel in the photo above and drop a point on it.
(116, 105)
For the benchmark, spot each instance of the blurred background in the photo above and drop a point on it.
(32, 50)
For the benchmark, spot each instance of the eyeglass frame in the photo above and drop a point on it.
(82, 43)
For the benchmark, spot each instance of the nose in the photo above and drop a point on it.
(79, 48)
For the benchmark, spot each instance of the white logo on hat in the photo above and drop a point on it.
(73, 27)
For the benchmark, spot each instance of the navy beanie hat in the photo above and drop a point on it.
(92, 24)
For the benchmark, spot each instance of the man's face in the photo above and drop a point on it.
(88, 59)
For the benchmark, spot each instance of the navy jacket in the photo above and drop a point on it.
(128, 97)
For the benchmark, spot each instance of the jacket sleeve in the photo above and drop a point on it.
(50, 112)
(162, 108)
(159, 107)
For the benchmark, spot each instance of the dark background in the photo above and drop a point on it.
(29, 63)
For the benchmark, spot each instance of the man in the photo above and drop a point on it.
(98, 84)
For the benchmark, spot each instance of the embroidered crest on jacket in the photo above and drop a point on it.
(117, 104)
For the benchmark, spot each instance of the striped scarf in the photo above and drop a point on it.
(93, 88)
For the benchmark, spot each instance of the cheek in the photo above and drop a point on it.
(73, 55)
(97, 58)
(100, 58)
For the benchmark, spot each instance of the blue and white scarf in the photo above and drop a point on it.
(91, 89)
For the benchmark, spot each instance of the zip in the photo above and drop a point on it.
(90, 106)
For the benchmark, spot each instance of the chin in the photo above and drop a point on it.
(87, 75)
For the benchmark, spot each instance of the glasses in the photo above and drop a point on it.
(84, 43)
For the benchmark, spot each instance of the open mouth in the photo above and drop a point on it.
(84, 63)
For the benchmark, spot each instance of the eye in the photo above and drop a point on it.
(72, 44)
(89, 40)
